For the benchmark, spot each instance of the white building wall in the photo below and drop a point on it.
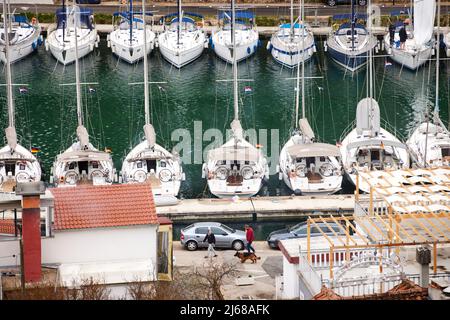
(91, 245)
(290, 280)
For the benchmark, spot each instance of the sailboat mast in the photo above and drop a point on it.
(146, 93)
(77, 72)
(353, 25)
(292, 19)
(436, 103)
(9, 90)
(302, 25)
(235, 73)
(131, 21)
(179, 22)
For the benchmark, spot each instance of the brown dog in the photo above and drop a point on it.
(244, 256)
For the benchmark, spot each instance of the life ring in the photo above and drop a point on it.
(33, 21)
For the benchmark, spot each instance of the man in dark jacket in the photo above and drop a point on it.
(250, 236)
(403, 36)
(211, 243)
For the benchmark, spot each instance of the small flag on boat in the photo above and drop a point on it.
(259, 146)
(320, 88)
(161, 88)
(92, 90)
(35, 149)
(108, 150)
(382, 145)
(248, 89)
(23, 90)
(387, 64)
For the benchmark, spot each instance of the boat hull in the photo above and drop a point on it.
(243, 50)
(130, 53)
(22, 49)
(349, 62)
(407, 58)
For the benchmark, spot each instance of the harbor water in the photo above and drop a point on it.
(186, 103)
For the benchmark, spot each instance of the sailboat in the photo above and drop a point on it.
(61, 36)
(149, 161)
(419, 45)
(307, 166)
(246, 36)
(17, 164)
(24, 37)
(286, 45)
(349, 45)
(237, 168)
(81, 163)
(183, 40)
(369, 147)
(430, 141)
(127, 40)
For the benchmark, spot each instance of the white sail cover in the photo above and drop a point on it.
(424, 12)
(368, 116)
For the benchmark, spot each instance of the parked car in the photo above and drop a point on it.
(300, 231)
(332, 3)
(227, 238)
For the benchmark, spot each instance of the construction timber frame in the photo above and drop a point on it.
(403, 208)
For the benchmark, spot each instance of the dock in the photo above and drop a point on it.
(258, 208)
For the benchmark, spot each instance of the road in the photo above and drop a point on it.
(258, 9)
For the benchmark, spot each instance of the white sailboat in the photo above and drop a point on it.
(61, 36)
(127, 40)
(369, 147)
(287, 45)
(349, 45)
(237, 168)
(246, 36)
(17, 164)
(430, 141)
(24, 37)
(149, 161)
(307, 166)
(419, 45)
(183, 40)
(81, 163)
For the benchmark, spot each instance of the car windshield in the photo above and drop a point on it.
(228, 228)
(298, 225)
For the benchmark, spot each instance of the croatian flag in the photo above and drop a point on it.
(247, 89)
(387, 64)
(23, 90)
(91, 90)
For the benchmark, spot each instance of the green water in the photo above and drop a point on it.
(46, 115)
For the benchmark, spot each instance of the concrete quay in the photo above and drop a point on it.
(258, 208)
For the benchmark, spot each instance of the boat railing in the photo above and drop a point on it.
(392, 129)
(347, 130)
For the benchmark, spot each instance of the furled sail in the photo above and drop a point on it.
(424, 13)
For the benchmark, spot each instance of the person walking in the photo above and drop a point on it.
(250, 236)
(211, 238)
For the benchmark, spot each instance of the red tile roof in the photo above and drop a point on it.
(87, 206)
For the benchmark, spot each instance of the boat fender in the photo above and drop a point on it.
(433, 52)
(325, 46)
(34, 45)
(268, 47)
(389, 51)
(108, 43)
(203, 171)
(51, 180)
(183, 177)
(46, 45)
(259, 43)
(205, 44)
(376, 48)
(152, 45)
(249, 50)
(298, 192)
(314, 49)
(40, 40)
(447, 52)
(254, 48)
(96, 44)
(91, 46)
(97, 40)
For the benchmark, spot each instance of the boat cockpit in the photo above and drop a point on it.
(315, 169)
(377, 158)
(234, 171)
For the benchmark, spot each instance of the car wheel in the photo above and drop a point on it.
(191, 245)
(237, 245)
(331, 3)
(362, 2)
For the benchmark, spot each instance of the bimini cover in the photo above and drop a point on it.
(366, 120)
(84, 15)
(424, 11)
(234, 154)
(313, 150)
